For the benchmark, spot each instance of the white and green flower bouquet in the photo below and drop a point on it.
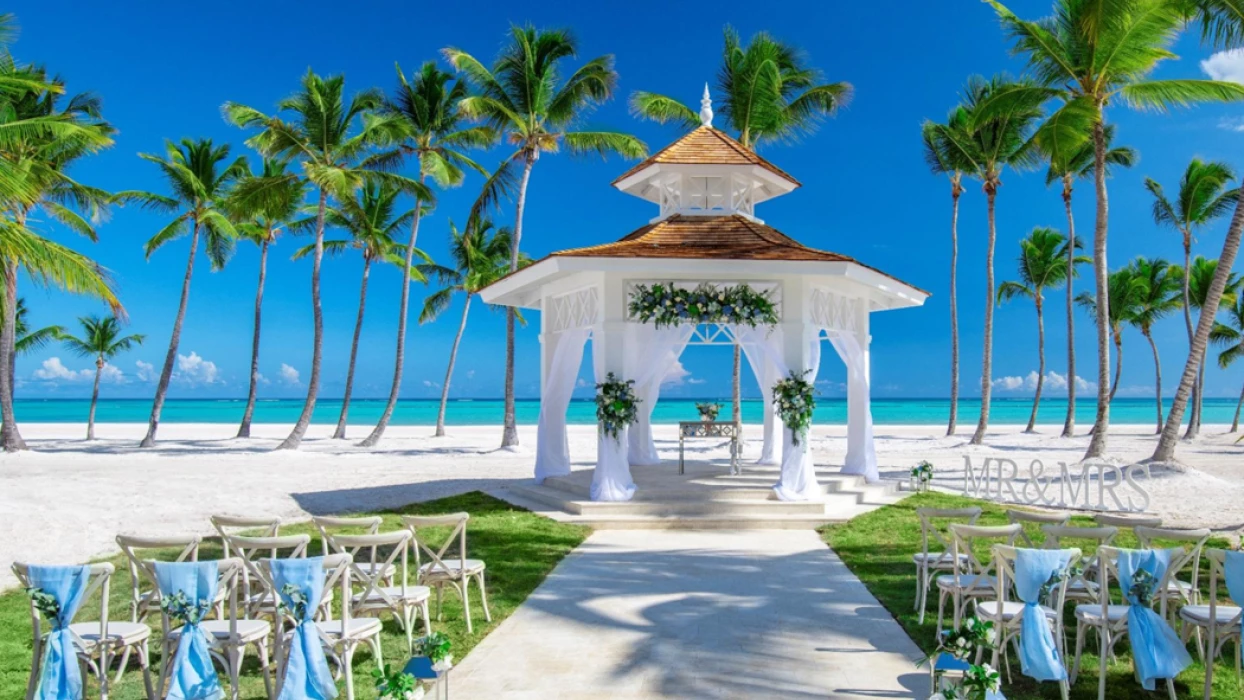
(795, 400)
(708, 410)
(921, 475)
(668, 305)
(616, 405)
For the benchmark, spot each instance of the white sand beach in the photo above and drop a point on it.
(65, 500)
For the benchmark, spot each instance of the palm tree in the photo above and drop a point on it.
(261, 223)
(1231, 334)
(525, 96)
(947, 151)
(1091, 57)
(481, 256)
(29, 340)
(101, 338)
(1203, 198)
(1125, 294)
(1159, 298)
(1222, 23)
(373, 224)
(1041, 267)
(1071, 157)
(435, 135)
(997, 141)
(1199, 280)
(330, 136)
(198, 174)
(36, 162)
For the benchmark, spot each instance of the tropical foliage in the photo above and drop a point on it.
(101, 340)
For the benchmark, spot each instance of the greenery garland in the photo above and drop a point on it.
(795, 401)
(667, 305)
(616, 405)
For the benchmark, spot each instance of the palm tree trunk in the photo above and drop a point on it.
(90, 420)
(1069, 425)
(1194, 417)
(340, 433)
(10, 436)
(449, 371)
(244, 430)
(317, 342)
(509, 434)
(166, 374)
(1118, 363)
(991, 194)
(1036, 399)
(736, 406)
(1101, 275)
(1235, 422)
(1157, 367)
(1165, 450)
(954, 311)
(403, 307)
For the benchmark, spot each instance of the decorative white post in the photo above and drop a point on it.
(801, 349)
(861, 455)
(611, 480)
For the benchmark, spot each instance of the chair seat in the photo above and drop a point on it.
(988, 609)
(966, 582)
(1092, 613)
(1199, 614)
(413, 594)
(936, 558)
(360, 628)
(123, 633)
(454, 568)
(248, 630)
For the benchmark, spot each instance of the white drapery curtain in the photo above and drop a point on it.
(797, 480)
(611, 481)
(766, 376)
(861, 453)
(552, 447)
(651, 353)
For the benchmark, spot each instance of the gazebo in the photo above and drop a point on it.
(705, 236)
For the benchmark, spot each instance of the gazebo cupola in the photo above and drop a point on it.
(706, 173)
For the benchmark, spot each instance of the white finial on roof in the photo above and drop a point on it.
(706, 108)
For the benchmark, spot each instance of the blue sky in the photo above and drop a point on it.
(163, 70)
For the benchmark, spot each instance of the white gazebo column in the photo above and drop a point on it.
(611, 480)
(801, 350)
(861, 455)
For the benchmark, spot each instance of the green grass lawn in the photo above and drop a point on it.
(878, 547)
(520, 548)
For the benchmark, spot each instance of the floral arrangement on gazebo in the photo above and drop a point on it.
(795, 400)
(668, 305)
(616, 405)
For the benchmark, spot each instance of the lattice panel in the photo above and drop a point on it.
(711, 334)
(577, 309)
(833, 311)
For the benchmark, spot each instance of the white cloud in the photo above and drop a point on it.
(677, 375)
(193, 370)
(581, 383)
(470, 374)
(259, 378)
(1225, 65)
(1053, 382)
(431, 384)
(289, 375)
(53, 370)
(1231, 124)
(146, 371)
(1136, 391)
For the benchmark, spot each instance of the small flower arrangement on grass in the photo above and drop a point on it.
(616, 405)
(396, 685)
(179, 607)
(921, 475)
(668, 305)
(978, 681)
(44, 602)
(708, 411)
(436, 647)
(794, 398)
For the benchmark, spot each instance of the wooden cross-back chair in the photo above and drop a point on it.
(936, 553)
(260, 599)
(1178, 591)
(369, 525)
(1223, 622)
(1082, 586)
(972, 576)
(144, 593)
(440, 570)
(1036, 517)
(379, 594)
(254, 525)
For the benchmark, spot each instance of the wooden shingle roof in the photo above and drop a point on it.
(729, 237)
(707, 146)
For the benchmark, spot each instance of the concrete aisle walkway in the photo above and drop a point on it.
(696, 614)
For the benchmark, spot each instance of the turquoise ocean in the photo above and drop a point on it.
(489, 411)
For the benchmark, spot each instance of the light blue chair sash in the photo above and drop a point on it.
(1038, 654)
(307, 676)
(59, 675)
(1233, 572)
(192, 675)
(1156, 649)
